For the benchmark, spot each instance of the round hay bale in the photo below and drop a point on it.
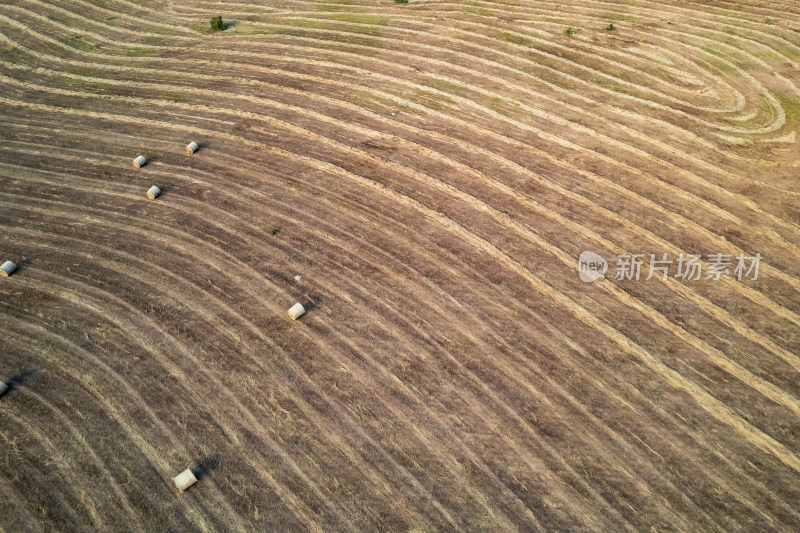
(185, 479)
(7, 268)
(296, 311)
(3, 387)
(192, 147)
(139, 161)
(153, 192)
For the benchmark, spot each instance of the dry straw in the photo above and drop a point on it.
(139, 161)
(153, 192)
(7, 268)
(192, 147)
(296, 311)
(185, 479)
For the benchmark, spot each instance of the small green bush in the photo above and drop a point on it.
(570, 31)
(610, 27)
(217, 24)
(400, 1)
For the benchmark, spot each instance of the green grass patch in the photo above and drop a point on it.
(734, 14)
(436, 102)
(88, 23)
(789, 52)
(443, 85)
(89, 72)
(304, 23)
(78, 41)
(791, 105)
(108, 4)
(161, 30)
(135, 51)
(377, 104)
(626, 92)
(75, 84)
(719, 66)
(173, 96)
(615, 16)
(328, 25)
(296, 27)
(346, 48)
(155, 40)
(361, 19)
(343, 39)
(349, 4)
(505, 107)
(330, 8)
(726, 54)
(554, 20)
(480, 11)
(555, 78)
(513, 38)
(357, 35)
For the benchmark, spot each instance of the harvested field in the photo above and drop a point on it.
(432, 172)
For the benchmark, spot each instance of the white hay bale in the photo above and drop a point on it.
(296, 311)
(153, 192)
(3, 387)
(7, 268)
(192, 147)
(139, 161)
(185, 479)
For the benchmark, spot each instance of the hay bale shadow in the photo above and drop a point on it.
(20, 379)
(22, 265)
(206, 466)
(311, 301)
(165, 189)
